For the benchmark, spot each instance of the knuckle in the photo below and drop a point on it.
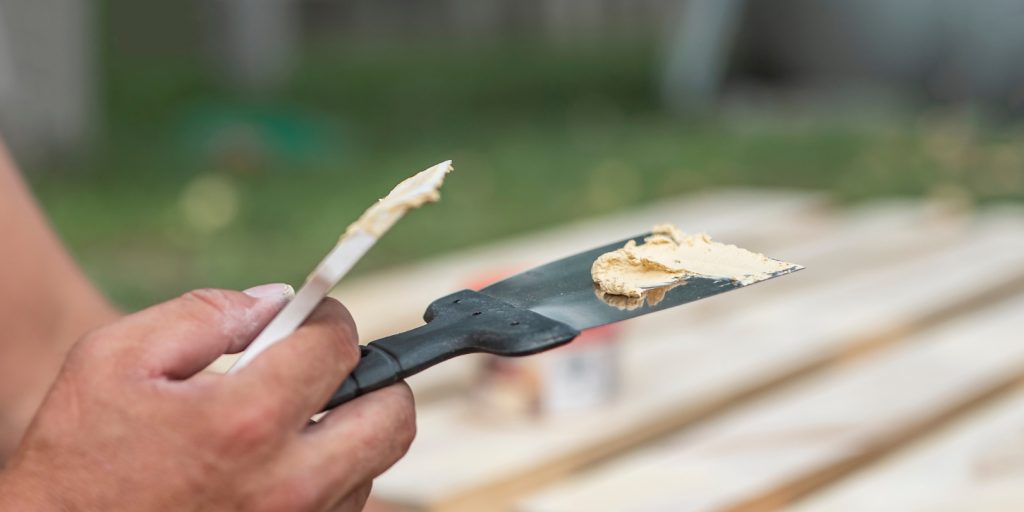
(251, 425)
(340, 318)
(89, 348)
(209, 301)
(402, 418)
(349, 354)
(406, 427)
(340, 337)
(290, 494)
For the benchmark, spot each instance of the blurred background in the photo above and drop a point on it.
(227, 142)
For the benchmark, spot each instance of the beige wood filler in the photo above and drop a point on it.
(668, 257)
(412, 192)
(357, 240)
(651, 296)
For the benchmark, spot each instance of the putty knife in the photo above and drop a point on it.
(531, 312)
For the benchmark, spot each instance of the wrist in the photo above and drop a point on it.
(32, 368)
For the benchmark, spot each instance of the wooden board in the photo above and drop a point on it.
(762, 455)
(672, 379)
(974, 464)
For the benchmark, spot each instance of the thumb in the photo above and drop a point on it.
(187, 334)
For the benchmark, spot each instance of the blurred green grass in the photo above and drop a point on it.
(193, 186)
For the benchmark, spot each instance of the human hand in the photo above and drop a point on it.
(132, 424)
(33, 348)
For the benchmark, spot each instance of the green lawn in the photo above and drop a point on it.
(192, 186)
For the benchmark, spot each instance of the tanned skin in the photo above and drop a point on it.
(104, 412)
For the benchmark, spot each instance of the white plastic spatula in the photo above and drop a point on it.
(357, 240)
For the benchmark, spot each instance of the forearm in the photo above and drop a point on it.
(46, 303)
(44, 293)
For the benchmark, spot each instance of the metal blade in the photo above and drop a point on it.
(563, 290)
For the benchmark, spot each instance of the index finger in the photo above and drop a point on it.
(299, 374)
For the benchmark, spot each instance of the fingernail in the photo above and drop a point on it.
(271, 291)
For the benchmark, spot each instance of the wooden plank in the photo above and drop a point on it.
(906, 232)
(976, 463)
(673, 377)
(761, 456)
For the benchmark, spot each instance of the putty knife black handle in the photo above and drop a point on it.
(461, 323)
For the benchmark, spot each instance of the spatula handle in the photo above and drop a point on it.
(461, 323)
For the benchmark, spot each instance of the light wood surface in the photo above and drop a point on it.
(974, 464)
(860, 300)
(791, 441)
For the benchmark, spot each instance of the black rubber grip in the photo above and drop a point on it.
(461, 323)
